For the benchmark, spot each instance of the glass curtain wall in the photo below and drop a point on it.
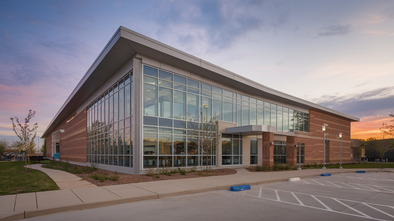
(109, 126)
(174, 106)
(176, 102)
(231, 149)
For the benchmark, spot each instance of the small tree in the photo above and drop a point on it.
(44, 148)
(388, 129)
(25, 134)
(3, 146)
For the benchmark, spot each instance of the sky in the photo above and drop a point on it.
(339, 54)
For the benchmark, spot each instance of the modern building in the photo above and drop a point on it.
(143, 104)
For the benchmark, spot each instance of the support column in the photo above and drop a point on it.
(138, 103)
(291, 151)
(218, 149)
(260, 151)
(268, 149)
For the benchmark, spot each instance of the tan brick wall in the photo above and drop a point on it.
(73, 141)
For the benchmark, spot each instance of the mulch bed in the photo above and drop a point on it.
(128, 178)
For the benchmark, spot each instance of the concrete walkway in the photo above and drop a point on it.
(64, 180)
(26, 205)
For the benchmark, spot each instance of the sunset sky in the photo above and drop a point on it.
(339, 54)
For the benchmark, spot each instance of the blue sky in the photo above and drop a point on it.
(336, 53)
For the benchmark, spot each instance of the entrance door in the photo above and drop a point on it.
(253, 151)
(57, 148)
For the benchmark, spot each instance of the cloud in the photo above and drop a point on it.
(371, 103)
(334, 30)
(216, 24)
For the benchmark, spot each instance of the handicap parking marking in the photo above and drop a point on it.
(361, 209)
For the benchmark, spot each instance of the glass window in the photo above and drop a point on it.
(226, 146)
(150, 100)
(121, 104)
(300, 146)
(253, 119)
(165, 144)
(227, 111)
(216, 90)
(206, 108)
(279, 152)
(150, 143)
(179, 145)
(245, 115)
(217, 109)
(116, 107)
(179, 79)
(253, 151)
(192, 145)
(150, 71)
(193, 83)
(127, 101)
(179, 105)
(273, 115)
(285, 120)
(150, 80)
(260, 116)
(165, 75)
(279, 118)
(192, 107)
(165, 102)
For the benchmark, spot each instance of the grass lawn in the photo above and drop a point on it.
(14, 179)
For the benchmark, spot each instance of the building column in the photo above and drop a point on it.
(245, 151)
(259, 152)
(268, 149)
(291, 151)
(138, 126)
(218, 149)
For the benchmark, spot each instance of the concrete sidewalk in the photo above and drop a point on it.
(26, 205)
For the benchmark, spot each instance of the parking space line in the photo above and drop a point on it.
(384, 188)
(318, 208)
(277, 195)
(333, 184)
(353, 187)
(306, 181)
(328, 208)
(298, 200)
(363, 214)
(366, 204)
(318, 182)
(260, 191)
(365, 186)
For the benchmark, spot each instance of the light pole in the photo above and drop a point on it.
(324, 144)
(340, 149)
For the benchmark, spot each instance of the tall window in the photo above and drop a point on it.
(300, 146)
(253, 151)
(109, 126)
(279, 152)
(231, 149)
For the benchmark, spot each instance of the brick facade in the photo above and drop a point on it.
(73, 140)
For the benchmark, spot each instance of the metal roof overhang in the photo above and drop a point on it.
(256, 130)
(126, 43)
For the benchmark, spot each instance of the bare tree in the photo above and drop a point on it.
(388, 129)
(25, 133)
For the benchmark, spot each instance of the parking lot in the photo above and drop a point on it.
(347, 196)
(369, 195)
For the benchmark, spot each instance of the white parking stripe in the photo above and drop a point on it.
(306, 181)
(364, 186)
(328, 208)
(384, 188)
(350, 185)
(277, 195)
(378, 210)
(361, 213)
(260, 191)
(333, 184)
(318, 182)
(298, 200)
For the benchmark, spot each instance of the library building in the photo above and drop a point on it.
(144, 104)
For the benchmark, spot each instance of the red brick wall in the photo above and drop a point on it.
(73, 141)
(314, 139)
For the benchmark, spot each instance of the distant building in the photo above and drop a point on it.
(138, 105)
